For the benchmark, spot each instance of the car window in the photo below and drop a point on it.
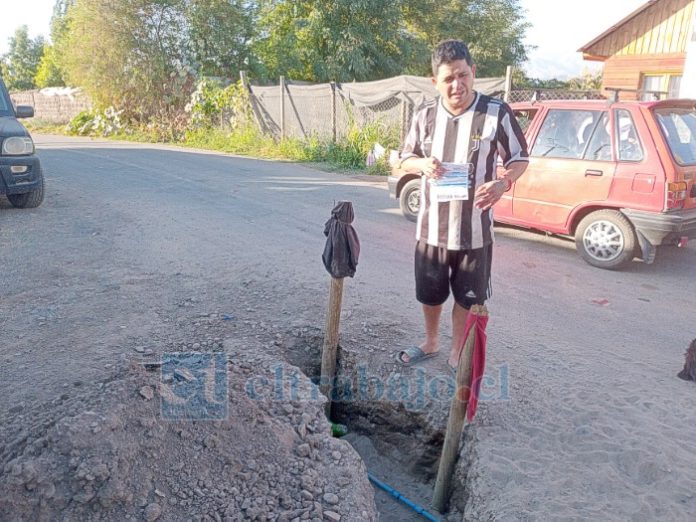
(566, 133)
(4, 103)
(524, 117)
(679, 129)
(599, 142)
(630, 148)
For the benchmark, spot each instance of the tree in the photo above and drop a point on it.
(220, 32)
(370, 39)
(130, 54)
(521, 81)
(494, 31)
(586, 81)
(19, 65)
(144, 56)
(49, 73)
(341, 40)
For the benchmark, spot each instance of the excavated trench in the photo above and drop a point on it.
(396, 417)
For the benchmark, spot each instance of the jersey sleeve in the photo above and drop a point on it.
(512, 145)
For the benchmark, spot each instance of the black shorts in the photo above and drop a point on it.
(467, 271)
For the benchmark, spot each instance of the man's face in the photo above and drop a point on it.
(455, 83)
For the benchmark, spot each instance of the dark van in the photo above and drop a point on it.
(21, 177)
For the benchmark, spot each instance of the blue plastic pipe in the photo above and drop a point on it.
(398, 496)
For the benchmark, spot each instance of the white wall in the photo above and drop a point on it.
(687, 88)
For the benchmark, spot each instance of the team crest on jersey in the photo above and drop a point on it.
(476, 141)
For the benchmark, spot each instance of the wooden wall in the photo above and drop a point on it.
(661, 28)
(625, 71)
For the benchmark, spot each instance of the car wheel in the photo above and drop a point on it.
(29, 199)
(409, 201)
(606, 239)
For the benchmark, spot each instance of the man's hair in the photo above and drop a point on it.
(450, 51)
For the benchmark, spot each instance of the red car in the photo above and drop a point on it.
(619, 177)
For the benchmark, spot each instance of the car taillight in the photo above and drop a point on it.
(676, 194)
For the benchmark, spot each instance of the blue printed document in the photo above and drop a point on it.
(453, 184)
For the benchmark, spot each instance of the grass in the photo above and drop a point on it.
(44, 127)
(347, 155)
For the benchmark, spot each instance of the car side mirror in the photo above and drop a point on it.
(24, 111)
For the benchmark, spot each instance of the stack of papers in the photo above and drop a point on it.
(453, 184)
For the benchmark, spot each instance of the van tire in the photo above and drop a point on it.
(29, 199)
(606, 239)
(409, 199)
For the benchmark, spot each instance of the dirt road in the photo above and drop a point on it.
(143, 250)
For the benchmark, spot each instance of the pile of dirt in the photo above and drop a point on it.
(116, 450)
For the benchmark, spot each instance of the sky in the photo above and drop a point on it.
(559, 29)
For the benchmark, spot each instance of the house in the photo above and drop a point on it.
(651, 52)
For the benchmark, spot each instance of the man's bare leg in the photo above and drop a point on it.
(459, 315)
(431, 315)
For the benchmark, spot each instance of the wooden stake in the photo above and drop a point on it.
(508, 83)
(403, 124)
(282, 107)
(328, 352)
(333, 111)
(457, 416)
(252, 99)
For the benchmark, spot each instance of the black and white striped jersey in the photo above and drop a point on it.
(485, 131)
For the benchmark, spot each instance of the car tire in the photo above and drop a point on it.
(409, 200)
(29, 199)
(606, 239)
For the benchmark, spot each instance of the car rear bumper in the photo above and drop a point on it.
(663, 228)
(19, 183)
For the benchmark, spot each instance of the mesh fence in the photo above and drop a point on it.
(331, 110)
(525, 95)
(326, 111)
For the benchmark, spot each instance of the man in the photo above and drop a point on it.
(466, 131)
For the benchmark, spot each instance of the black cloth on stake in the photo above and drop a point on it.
(342, 245)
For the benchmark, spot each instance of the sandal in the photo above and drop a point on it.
(415, 354)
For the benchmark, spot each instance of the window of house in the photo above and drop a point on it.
(673, 86)
(660, 86)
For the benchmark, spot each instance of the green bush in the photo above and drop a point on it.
(96, 123)
(200, 127)
(211, 103)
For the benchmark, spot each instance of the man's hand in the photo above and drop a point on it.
(489, 193)
(432, 167)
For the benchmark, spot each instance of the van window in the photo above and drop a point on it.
(630, 148)
(569, 133)
(679, 129)
(4, 102)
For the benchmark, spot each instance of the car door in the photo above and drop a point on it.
(571, 164)
(525, 116)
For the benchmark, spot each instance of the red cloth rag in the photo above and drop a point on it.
(478, 359)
